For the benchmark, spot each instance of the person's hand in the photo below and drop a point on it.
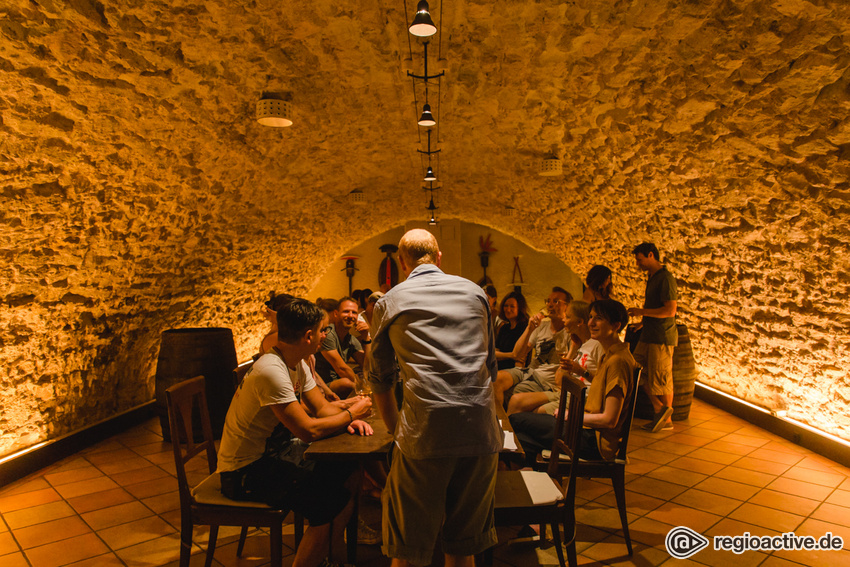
(360, 427)
(535, 320)
(361, 408)
(362, 328)
(567, 363)
(330, 395)
(635, 312)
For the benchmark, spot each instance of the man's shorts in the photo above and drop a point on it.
(421, 495)
(533, 382)
(518, 374)
(657, 363)
(318, 493)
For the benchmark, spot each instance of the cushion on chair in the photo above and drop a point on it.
(209, 492)
(517, 489)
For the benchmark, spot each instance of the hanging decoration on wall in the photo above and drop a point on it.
(388, 270)
(349, 270)
(517, 271)
(486, 249)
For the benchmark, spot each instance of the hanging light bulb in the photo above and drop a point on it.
(429, 176)
(432, 207)
(423, 25)
(427, 119)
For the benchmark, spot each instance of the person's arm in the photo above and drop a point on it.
(342, 369)
(329, 394)
(610, 411)
(387, 406)
(330, 419)
(668, 310)
(522, 344)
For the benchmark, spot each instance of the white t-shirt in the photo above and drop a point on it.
(589, 355)
(548, 348)
(250, 419)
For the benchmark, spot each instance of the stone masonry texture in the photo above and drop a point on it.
(138, 193)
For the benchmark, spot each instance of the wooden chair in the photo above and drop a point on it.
(535, 497)
(204, 504)
(614, 470)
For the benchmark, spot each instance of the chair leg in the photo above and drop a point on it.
(276, 542)
(570, 534)
(618, 480)
(556, 539)
(211, 546)
(298, 520)
(242, 535)
(185, 539)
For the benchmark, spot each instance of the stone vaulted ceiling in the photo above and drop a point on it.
(138, 193)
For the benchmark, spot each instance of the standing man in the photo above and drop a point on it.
(654, 351)
(447, 437)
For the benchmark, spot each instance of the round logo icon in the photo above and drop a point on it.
(683, 542)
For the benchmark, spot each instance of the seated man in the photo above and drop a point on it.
(613, 384)
(262, 462)
(582, 360)
(340, 345)
(550, 340)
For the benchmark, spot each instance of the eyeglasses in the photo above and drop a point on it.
(555, 301)
(327, 330)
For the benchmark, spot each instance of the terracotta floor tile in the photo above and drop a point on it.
(48, 532)
(720, 425)
(108, 446)
(815, 558)
(746, 439)
(152, 487)
(28, 500)
(38, 514)
(730, 527)
(613, 551)
(785, 502)
(759, 465)
(638, 466)
(98, 500)
(126, 465)
(105, 560)
(721, 558)
(720, 457)
(161, 458)
(707, 435)
(776, 456)
(728, 488)
(600, 516)
(745, 476)
(70, 463)
(165, 549)
(67, 551)
(814, 476)
(75, 475)
(114, 515)
(775, 561)
(832, 514)
(140, 438)
(688, 438)
(649, 532)
(799, 488)
(28, 484)
(840, 498)
(818, 528)
(84, 487)
(677, 515)
(677, 476)
(155, 447)
(728, 447)
(655, 488)
(670, 447)
(701, 500)
(8, 544)
(135, 532)
(785, 446)
(14, 560)
(652, 456)
(163, 502)
(638, 504)
(767, 517)
(696, 465)
(150, 472)
(121, 454)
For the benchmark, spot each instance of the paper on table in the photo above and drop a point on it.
(510, 441)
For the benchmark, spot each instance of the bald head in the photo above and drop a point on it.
(418, 247)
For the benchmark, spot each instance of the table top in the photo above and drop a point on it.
(376, 446)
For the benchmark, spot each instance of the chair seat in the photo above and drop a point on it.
(522, 489)
(209, 492)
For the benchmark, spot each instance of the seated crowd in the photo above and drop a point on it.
(304, 386)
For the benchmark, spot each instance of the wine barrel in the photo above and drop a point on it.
(684, 379)
(186, 353)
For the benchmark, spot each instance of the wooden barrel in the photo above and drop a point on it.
(186, 353)
(684, 379)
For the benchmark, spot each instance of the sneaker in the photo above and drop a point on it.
(366, 535)
(659, 422)
(526, 534)
(667, 426)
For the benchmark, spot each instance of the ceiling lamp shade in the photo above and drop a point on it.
(427, 119)
(433, 220)
(429, 176)
(551, 166)
(274, 112)
(423, 25)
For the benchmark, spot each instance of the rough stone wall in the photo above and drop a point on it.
(137, 193)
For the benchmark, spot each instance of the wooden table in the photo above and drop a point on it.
(376, 447)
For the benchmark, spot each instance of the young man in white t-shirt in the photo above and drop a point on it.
(267, 430)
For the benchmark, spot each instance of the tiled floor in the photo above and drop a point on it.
(116, 504)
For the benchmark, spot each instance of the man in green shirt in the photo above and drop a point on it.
(654, 351)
